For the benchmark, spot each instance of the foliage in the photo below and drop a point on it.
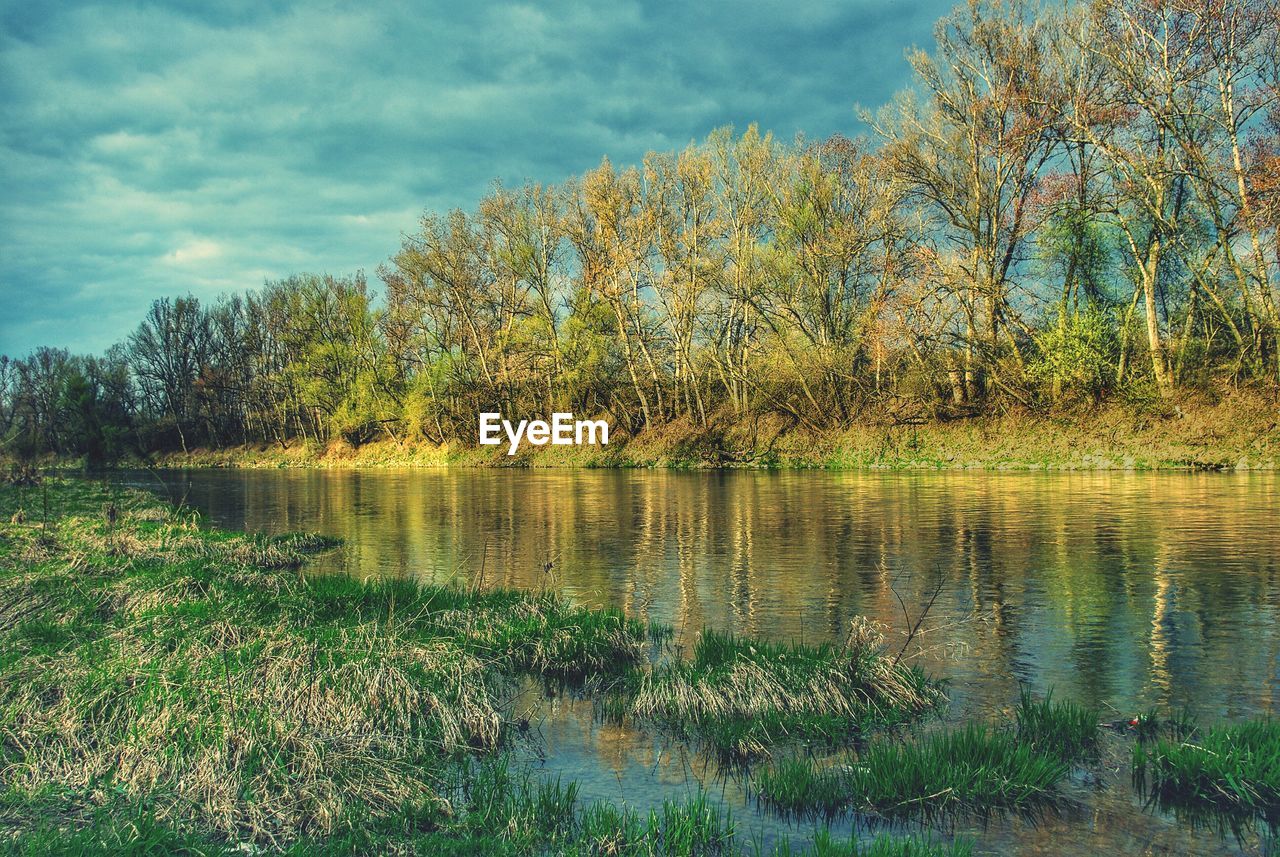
(1077, 354)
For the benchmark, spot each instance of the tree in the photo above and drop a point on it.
(168, 352)
(1139, 123)
(688, 233)
(971, 155)
(744, 169)
(612, 226)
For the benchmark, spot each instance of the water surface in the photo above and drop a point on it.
(1127, 591)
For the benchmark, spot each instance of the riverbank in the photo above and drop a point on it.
(165, 686)
(1240, 432)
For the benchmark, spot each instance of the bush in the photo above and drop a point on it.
(1077, 355)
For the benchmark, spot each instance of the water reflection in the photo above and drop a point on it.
(1121, 589)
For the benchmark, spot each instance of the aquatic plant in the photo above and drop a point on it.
(1230, 774)
(1067, 730)
(973, 768)
(743, 695)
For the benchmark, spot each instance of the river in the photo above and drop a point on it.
(1124, 590)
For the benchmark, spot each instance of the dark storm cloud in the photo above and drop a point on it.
(166, 148)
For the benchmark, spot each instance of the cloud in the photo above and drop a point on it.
(166, 148)
(198, 250)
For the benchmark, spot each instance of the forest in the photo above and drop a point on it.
(1068, 206)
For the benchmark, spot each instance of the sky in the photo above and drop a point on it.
(206, 146)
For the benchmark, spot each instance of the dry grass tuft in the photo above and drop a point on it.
(744, 695)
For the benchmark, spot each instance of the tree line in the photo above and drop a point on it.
(1068, 205)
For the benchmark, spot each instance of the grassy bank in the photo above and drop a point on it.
(1240, 432)
(146, 658)
(166, 687)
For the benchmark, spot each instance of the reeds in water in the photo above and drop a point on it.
(1229, 775)
(743, 696)
(1066, 730)
(973, 768)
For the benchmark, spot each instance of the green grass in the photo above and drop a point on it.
(538, 633)
(133, 831)
(884, 845)
(1063, 729)
(545, 817)
(142, 657)
(487, 809)
(743, 696)
(974, 769)
(1230, 774)
(171, 689)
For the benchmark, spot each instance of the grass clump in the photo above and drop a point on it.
(1229, 773)
(143, 658)
(1066, 730)
(497, 809)
(884, 845)
(742, 695)
(1179, 726)
(974, 769)
(692, 826)
(538, 633)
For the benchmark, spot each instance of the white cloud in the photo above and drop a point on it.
(200, 250)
